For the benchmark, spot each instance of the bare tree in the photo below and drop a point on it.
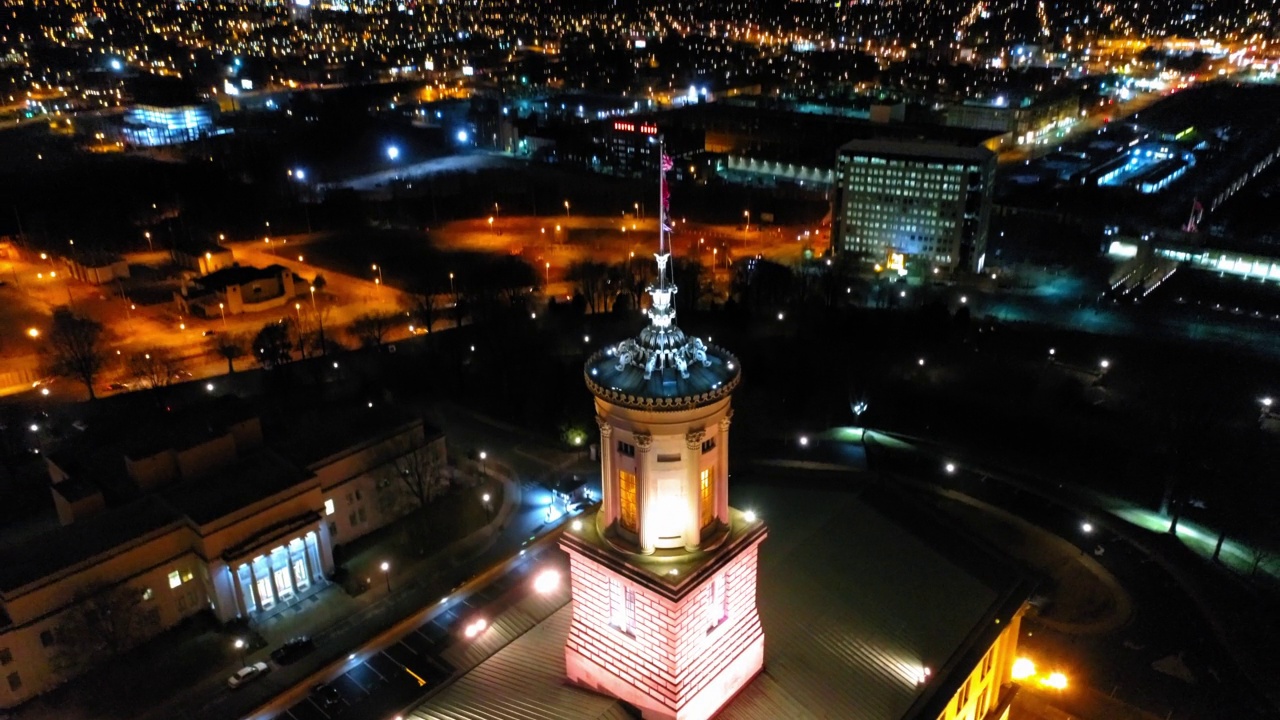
(422, 473)
(372, 328)
(104, 621)
(75, 348)
(231, 347)
(153, 367)
(426, 311)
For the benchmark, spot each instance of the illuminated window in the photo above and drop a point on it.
(328, 506)
(627, 500)
(187, 576)
(147, 594)
(962, 697)
(706, 508)
(175, 579)
(717, 602)
(622, 607)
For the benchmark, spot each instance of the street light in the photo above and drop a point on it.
(566, 208)
(488, 508)
(241, 645)
(147, 234)
(319, 320)
(1086, 527)
(747, 214)
(547, 266)
(546, 581)
(386, 573)
(379, 269)
(483, 455)
(393, 153)
(223, 309)
(451, 290)
(33, 332)
(1105, 364)
(950, 468)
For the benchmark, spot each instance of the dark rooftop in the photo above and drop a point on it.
(239, 275)
(63, 547)
(254, 478)
(319, 430)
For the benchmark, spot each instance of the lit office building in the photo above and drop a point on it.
(154, 125)
(927, 202)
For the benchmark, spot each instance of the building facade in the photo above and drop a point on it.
(928, 202)
(212, 518)
(663, 574)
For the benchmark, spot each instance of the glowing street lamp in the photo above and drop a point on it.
(566, 209)
(1023, 668)
(488, 506)
(393, 153)
(147, 235)
(223, 309)
(747, 214)
(950, 468)
(240, 645)
(386, 573)
(546, 581)
(1104, 364)
(1086, 527)
(378, 268)
(483, 455)
(547, 267)
(33, 333)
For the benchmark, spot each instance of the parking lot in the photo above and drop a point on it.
(377, 685)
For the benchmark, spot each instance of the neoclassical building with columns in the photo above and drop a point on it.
(195, 510)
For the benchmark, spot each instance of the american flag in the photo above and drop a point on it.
(667, 163)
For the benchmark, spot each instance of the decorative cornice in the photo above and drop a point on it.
(664, 404)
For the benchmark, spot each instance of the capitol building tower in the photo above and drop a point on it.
(663, 574)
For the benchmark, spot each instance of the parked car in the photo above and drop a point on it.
(292, 649)
(247, 675)
(181, 375)
(325, 695)
(118, 386)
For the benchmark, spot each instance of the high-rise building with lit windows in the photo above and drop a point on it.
(927, 202)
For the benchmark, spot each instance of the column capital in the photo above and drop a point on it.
(644, 441)
(726, 421)
(605, 428)
(693, 438)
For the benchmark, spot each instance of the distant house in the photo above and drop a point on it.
(204, 259)
(238, 289)
(97, 268)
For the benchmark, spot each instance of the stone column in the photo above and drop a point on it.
(644, 443)
(693, 489)
(608, 483)
(237, 589)
(722, 469)
(253, 585)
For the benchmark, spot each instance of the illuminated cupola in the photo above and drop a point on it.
(664, 572)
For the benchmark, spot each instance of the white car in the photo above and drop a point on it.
(247, 675)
